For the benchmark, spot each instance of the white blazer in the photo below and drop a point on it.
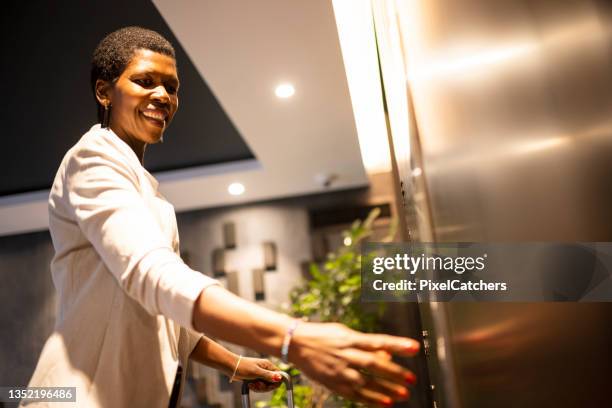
(126, 298)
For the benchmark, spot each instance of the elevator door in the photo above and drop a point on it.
(509, 139)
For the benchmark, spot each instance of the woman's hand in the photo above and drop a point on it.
(213, 354)
(259, 369)
(356, 365)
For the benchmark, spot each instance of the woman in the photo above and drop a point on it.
(130, 310)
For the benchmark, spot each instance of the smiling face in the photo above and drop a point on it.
(143, 100)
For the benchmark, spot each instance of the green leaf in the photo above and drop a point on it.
(314, 271)
(371, 218)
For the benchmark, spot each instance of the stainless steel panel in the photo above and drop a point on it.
(513, 104)
(510, 139)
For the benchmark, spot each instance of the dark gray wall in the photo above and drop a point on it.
(46, 50)
(27, 312)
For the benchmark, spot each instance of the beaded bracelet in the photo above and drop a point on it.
(287, 341)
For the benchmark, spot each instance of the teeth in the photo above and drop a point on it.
(154, 115)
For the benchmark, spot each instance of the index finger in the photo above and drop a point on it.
(377, 366)
(403, 346)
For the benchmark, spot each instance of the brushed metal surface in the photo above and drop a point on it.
(510, 140)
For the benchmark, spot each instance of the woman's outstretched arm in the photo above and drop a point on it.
(353, 364)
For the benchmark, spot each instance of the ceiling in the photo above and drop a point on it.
(230, 126)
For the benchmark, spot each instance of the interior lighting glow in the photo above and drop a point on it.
(357, 42)
(235, 189)
(284, 91)
(454, 64)
(539, 145)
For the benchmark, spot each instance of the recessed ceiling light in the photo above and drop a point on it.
(235, 189)
(284, 90)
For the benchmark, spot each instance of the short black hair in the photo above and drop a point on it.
(116, 50)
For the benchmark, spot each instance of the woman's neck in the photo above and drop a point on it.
(138, 146)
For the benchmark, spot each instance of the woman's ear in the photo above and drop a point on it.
(103, 91)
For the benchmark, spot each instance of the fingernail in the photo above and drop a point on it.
(410, 378)
(387, 402)
(402, 392)
(277, 377)
(412, 347)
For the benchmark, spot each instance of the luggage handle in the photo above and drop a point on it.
(246, 400)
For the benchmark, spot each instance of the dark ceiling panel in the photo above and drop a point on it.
(47, 106)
